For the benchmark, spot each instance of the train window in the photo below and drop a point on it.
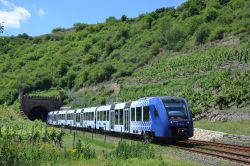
(107, 115)
(77, 117)
(156, 114)
(90, 115)
(116, 116)
(101, 115)
(132, 114)
(146, 113)
(121, 117)
(87, 116)
(104, 115)
(93, 116)
(138, 114)
(98, 116)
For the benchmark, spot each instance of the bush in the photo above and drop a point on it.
(211, 14)
(218, 34)
(202, 34)
(223, 2)
(84, 151)
(139, 150)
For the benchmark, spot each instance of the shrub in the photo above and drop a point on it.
(211, 14)
(218, 34)
(223, 2)
(202, 34)
(138, 150)
(84, 151)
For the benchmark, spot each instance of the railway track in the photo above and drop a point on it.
(229, 152)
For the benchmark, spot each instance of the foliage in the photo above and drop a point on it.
(202, 34)
(84, 151)
(139, 150)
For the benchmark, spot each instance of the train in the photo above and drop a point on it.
(165, 117)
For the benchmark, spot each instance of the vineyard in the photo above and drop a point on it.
(218, 78)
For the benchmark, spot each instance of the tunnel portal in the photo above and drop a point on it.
(37, 107)
(39, 113)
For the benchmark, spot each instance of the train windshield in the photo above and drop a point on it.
(175, 108)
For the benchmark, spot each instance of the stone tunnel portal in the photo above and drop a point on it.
(39, 113)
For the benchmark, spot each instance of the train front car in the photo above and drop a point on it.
(171, 118)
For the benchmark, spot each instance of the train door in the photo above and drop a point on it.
(112, 119)
(126, 120)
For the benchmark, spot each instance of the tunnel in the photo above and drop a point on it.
(39, 113)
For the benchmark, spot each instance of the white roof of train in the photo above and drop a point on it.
(79, 110)
(104, 108)
(70, 111)
(90, 109)
(120, 106)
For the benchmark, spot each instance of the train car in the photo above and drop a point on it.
(170, 117)
(153, 117)
(140, 117)
(70, 117)
(54, 118)
(117, 118)
(102, 117)
(89, 117)
(78, 118)
(61, 118)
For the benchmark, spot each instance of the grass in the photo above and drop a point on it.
(230, 127)
(104, 149)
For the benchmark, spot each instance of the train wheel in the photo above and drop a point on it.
(148, 136)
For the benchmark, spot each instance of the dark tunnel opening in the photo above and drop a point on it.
(39, 113)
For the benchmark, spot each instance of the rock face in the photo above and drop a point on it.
(216, 115)
(207, 135)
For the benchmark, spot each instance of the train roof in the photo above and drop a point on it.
(171, 98)
(90, 109)
(104, 108)
(79, 110)
(120, 106)
(70, 111)
(62, 112)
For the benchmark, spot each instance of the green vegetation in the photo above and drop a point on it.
(232, 127)
(199, 50)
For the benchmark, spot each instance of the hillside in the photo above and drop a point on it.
(199, 50)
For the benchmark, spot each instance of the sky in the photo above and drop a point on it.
(38, 17)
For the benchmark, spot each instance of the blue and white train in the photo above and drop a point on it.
(160, 117)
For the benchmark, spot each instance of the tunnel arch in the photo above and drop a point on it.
(38, 113)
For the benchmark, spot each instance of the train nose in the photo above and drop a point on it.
(182, 131)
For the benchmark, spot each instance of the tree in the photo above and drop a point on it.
(202, 34)
(211, 14)
(124, 18)
(1, 27)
